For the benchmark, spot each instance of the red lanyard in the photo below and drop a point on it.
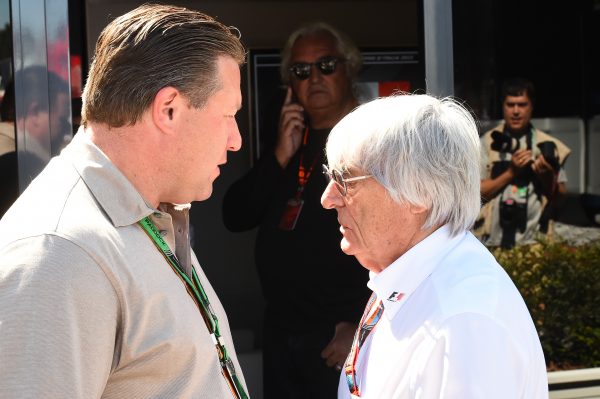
(303, 174)
(368, 321)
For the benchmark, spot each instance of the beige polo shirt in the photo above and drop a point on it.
(89, 308)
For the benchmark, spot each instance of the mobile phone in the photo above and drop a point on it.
(295, 100)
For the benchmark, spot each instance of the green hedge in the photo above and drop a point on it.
(561, 286)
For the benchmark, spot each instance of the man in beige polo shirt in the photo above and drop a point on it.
(100, 293)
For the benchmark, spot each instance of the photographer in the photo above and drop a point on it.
(522, 173)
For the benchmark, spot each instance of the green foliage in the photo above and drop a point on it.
(561, 287)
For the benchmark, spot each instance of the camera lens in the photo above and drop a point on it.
(504, 142)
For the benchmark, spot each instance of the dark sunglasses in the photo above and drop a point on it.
(325, 65)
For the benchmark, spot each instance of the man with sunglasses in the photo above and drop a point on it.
(311, 289)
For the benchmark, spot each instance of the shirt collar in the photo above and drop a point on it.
(396, 283)
(117, 196)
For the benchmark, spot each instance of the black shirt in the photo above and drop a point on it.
(305, 276)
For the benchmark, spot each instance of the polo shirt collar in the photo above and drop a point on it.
(396, 283)
(117, 196)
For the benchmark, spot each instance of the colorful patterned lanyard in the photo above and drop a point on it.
(196, 291)
(368, 321)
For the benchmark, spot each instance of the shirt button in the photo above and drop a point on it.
(163, 233)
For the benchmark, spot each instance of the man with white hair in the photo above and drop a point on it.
(444, 320)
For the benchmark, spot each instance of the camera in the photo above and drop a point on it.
(549, 151)
(504, 142)
(513, 215)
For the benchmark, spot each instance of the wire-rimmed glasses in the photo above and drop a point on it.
(340, 181)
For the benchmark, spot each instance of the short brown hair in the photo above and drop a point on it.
(149, 48)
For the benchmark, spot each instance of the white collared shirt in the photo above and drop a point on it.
(454, 326)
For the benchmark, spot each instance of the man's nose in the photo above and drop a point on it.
(234, 142)
(315, 73)
(331, 197)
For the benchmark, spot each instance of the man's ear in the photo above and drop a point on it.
(166, 108)
(417, 209)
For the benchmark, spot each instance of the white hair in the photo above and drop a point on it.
(425, 151)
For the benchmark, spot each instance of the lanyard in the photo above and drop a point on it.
(196, 291)
(303, 174)
(368, 321)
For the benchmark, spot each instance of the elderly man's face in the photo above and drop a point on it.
(319, 92)
(375, 229)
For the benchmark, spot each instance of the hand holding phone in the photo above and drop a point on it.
(291, 129)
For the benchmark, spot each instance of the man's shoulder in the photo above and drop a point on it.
(62, 254)
(543, 136)
(486, 137)
(472, 277)
(488, 155)
(56, 202)
(562, 148)
(57, 226)
(497, 128)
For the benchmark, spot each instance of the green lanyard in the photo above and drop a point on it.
(194, 288)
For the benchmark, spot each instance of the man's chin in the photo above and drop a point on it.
(346, 247)
(318, 100)
(205, 193)
(517, 127)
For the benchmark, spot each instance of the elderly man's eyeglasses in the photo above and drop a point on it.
(325, 65)
(340, 181)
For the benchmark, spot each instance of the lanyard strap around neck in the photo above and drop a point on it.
(369, 319)
(196, 291)
(303, 173)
